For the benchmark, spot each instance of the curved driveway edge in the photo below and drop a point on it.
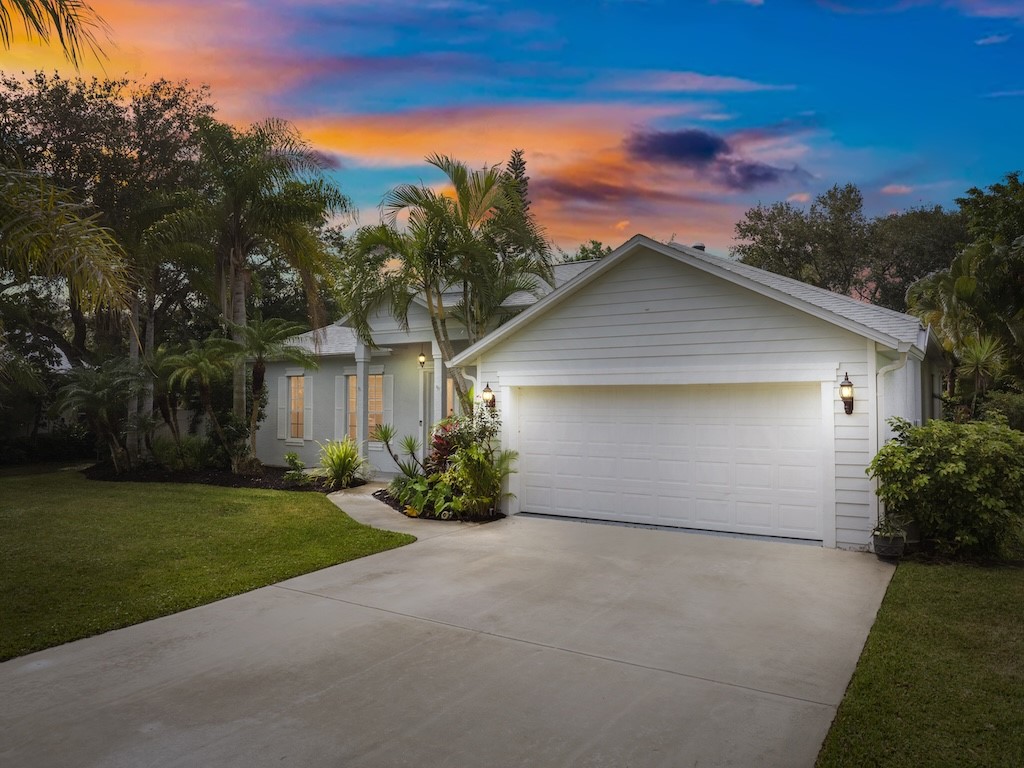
(525, 642)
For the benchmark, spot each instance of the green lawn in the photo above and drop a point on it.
(941, 679)
(79, 557)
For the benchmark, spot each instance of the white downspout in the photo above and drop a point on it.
(880, 414)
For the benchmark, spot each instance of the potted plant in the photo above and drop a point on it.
(889, 537)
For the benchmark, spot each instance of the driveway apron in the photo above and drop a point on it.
(526, 642)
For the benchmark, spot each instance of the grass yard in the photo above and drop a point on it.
(80, 557)
(941, 679)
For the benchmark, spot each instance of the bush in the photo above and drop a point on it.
(962, 483)
(1008, 404)
(192, 453)
(341, 464)
(64, 443)
(296, 475)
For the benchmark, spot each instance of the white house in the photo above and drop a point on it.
(671, 387)
(400, 380)
(661, 385)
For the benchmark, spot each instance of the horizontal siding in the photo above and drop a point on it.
(652, 308)
(652, 313)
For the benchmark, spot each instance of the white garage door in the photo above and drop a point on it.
(742, 458)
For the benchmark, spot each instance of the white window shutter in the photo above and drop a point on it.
(388, 416)
(282, 408)
(307, 415)
(340, 403)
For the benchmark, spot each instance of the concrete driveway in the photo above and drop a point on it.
(526, 642)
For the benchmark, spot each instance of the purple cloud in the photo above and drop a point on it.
(707, 153)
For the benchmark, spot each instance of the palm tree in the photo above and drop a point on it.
(74, 22)
(43, 232)
(982, 360)
(204, 364)
(263, 340)
(101, 395)
(478, 242)
(267, 195)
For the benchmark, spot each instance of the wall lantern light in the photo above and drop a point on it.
(422, 358)
(846, 393)
(488, 396)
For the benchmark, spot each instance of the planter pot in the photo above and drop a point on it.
(889, 547)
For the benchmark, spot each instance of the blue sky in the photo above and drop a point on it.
(667, 118)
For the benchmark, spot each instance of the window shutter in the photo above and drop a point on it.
(340, 403)
(282, 408)
(307, 415)
(389, 400)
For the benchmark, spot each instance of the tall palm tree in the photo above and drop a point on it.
(477, 241)
(74, 23)
(267, 194)
(263, 340)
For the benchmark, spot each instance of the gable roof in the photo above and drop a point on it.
(334, 340)
(895, 330)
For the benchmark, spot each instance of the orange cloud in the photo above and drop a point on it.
(896, 189)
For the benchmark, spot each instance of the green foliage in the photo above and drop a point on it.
(296, 474)
(592, 250)
(464, 473)
(341, 464)
(191, 452)
(1009, 405)
(962, 483)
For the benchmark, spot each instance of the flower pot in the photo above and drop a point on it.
(889, 547)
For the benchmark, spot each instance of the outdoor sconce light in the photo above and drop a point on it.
(422, 359)
(488, 396)
(846, 393)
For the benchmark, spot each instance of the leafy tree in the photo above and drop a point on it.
(904, 247)
(463, 252)
(825, 246)
(592, 250)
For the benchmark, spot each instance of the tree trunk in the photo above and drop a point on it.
(238, 319)
(150, 343)
(259, 371)
(134, 444)
(439, 323)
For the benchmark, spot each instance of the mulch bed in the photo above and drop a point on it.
(383, 496)
(271, 478)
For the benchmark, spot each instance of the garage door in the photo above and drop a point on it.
(742, 459)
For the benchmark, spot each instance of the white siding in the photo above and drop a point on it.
(652, 316)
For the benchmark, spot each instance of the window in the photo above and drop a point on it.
(375, 396)
(296, 407)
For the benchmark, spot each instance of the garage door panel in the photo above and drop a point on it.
(706, 457)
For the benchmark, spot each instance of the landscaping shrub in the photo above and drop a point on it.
(1008, 404)
(296, 474)
(962, 483)
(341, 464)
(463, 474)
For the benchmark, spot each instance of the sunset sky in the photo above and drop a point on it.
(666, 118)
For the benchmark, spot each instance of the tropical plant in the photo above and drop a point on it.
(100, 394)
(981, 362)
(962, 483)
(340, 463)
(267, 196)
(262, 340)
(74, 23)
(204, 364)
(462, 253)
